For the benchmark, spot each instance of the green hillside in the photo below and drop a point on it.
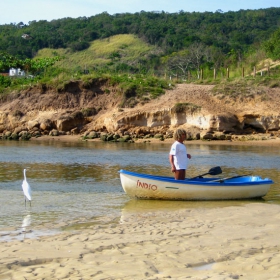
(182, 47)
(124, 48)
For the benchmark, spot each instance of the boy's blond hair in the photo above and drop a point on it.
(178, 133)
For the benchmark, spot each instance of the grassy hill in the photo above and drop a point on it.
(125, 48)
(105, 57)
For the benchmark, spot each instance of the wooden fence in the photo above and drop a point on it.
(226, 73)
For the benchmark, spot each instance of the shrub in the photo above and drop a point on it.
(183, 107)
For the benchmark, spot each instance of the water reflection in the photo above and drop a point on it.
(25, 224)
(140, 208)
(134, 205)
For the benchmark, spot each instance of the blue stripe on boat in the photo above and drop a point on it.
(241, 181)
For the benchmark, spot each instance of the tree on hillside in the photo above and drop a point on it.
(29, 65)
(39, 64)
(8, 61)
(272, 46)
(178, 64)
(198, 53)
(217, 57)
(181, 63)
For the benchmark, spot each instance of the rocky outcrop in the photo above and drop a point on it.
(221, 122)
(83, 110)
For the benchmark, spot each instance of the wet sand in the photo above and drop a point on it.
(235, 242)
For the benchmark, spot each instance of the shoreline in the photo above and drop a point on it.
(77, 138)
(230, 242)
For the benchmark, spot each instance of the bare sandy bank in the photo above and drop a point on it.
(234, 242)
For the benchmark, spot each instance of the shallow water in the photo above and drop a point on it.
(79, 181)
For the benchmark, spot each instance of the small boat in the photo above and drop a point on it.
(145, 186)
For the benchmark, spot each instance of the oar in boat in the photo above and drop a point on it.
(221, 180)
(213, 171)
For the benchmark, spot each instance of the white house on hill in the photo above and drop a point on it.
(16, 72)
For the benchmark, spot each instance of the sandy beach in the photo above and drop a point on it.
(230, 241)
(235, 242)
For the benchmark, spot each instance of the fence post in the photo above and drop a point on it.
(215, 74)
(242, 72)
(227, 73)
(268, 70)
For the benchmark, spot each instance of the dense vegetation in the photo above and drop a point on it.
(171, 44)
(230, 31)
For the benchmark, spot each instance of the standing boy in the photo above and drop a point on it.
(178, 155)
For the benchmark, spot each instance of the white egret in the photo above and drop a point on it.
(26, 188)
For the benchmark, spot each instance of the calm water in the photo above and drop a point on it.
(80, 181)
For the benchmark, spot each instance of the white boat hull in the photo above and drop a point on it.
(143, 186)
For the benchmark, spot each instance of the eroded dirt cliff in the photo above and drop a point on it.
(97, 107)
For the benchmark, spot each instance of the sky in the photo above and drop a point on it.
(16, 11)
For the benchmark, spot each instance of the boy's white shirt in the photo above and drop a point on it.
(179, 151)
